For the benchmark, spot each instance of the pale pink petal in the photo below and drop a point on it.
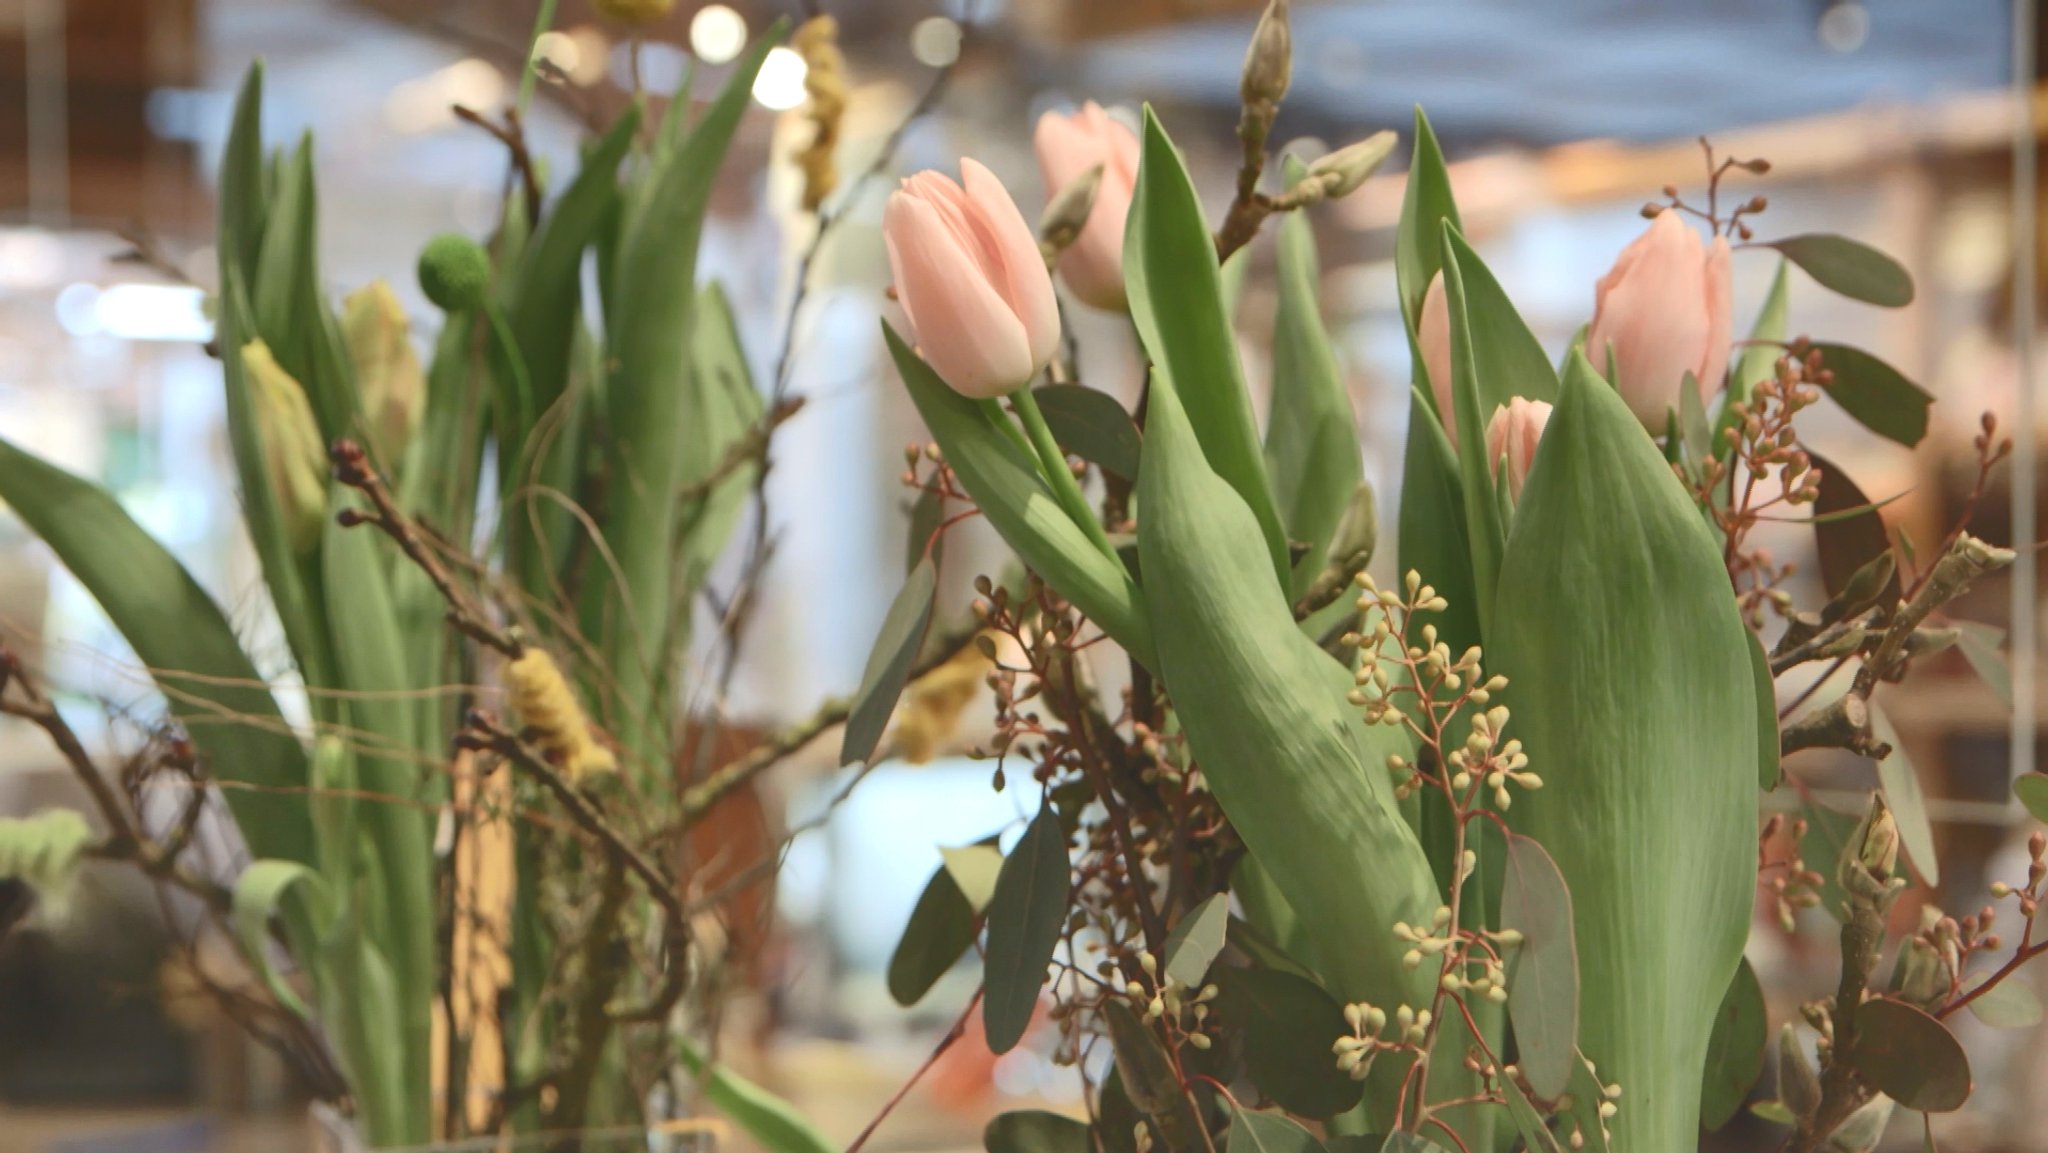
(1015, 265)
(1651, 313)
(1720, 318)
(1433, 333)
(963, 327)
(1064, 149)
(1514, 433)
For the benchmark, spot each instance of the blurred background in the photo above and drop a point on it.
(1893, 121)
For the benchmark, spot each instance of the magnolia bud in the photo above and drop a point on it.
(294, 460)
(1918, 975)
(1269, 62)
(1880, 844)
(1860, 1133)
(1798, 1085)
(1067, 212)
(1358, 534)
(389, 381)
(1342, 171)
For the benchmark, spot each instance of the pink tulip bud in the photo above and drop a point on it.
(1068, 146)
(971, 280)
(1513, 433)
(1665, 309)
(1433, 333)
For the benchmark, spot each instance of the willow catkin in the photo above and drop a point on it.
(817, 41)
(548, 706)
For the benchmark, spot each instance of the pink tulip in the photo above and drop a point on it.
(1433, 333)
(1068, 146)
(969, 275)
(1665, 309)
(1513, 433)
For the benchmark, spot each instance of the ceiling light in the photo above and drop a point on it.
(780, 85)
(935, 41)
(717, 33)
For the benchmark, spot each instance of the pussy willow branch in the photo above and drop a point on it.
(699, 798)
(480, 732)
(352, 468)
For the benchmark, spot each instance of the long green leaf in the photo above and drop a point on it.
(1312, 449)
(652, 404)
(998, 473)
(185, 641)
(1485, 534)
(291, 310)
(1293, 764)
(771, 1121)
(1176, 296)
(1024, 920)
(242, 201)
(259, 895)
(1647, 750)
(1425, 208)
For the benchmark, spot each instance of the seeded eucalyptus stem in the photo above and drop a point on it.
(1053, 461)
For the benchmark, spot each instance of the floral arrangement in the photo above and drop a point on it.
(1470, 861)
(1463, 860)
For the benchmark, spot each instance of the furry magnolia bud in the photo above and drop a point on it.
(1341, 172)
(1269, 62)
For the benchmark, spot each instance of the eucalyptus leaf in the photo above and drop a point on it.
(2032, 791)
(940, 931)
(1850, 267)
(1092, 425)
(1769, 767)
(888, 667)
(1647, 751)
(1024, 921)
(1980, 646)
(1902, 792)
(1543, 974)
(1290, 1022)
(1536, 1135)
(927, 513)
(2010, 1004)
(1253, 1131)
(1035, 1131)
(1876, 394)
(1848, 530)
(1195, 941)
(1911, 1057)
(1735, 1053)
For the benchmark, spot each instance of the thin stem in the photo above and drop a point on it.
(1054, 461)
(542, 21)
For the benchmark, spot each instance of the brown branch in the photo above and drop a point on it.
(953, 1034)
(512, 134)
(352, 468)
(699, 799)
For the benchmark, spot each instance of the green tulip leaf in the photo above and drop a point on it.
(1425, 208)
(183, 638)
(1312, 448)
(1911, 1057)
(1176, 296)
(1091, 424)
(1647, 752)
(1769, 767)
(1876, 394)
(888, 667)
(1024, 921)
(997, 470)
(1536, 1135)
(1543, 974)
(1290, 1023)
(259, 895)
(1735, 1053)
(1756, 361)
(772, 1122)
(1849, 267)
(1302, 778)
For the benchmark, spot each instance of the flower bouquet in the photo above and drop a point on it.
(1467, 859)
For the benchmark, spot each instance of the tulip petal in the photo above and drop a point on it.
(1016, 266)
(1651, 310)
(1433, 334)
(965, 330)
(1720, 318)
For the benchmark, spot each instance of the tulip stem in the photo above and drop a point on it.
(1052, 460)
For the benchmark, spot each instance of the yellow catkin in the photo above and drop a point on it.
(634, 11)
(932, 706)
(548, 707)
(817, 41)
